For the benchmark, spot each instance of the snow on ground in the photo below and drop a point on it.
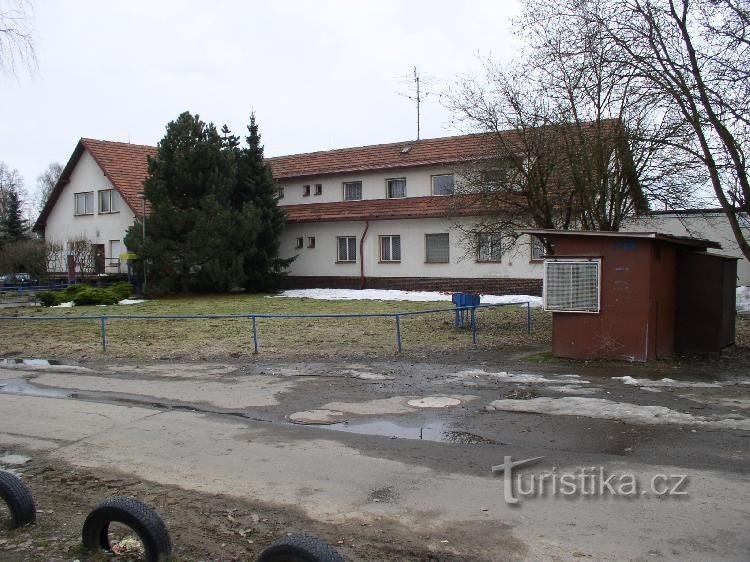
(394, 295)
(743, 299)
(600, 408)
(671, 383)
(123, 301)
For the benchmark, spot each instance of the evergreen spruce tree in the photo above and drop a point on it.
(264, 269)
(14, 226)
(214, 225)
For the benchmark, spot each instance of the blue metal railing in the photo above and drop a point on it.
(28, 289)
(254, 316)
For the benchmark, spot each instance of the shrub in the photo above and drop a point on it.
(121, 289)
(93, 296)
(48, 298)
(69, 293)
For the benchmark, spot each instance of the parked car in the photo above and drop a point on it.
(17, 280)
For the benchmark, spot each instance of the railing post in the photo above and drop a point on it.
(398, 332)
(255, 336)
(104, 333)
(474, 325)
(528, 317)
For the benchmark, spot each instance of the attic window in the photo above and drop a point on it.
(406, 149)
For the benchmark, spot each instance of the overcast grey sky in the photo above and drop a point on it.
(319, 75)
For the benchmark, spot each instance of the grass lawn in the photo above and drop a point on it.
(499, 328)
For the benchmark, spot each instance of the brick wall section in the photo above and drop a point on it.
(500, 286)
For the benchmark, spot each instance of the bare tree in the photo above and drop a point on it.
(46, 182)
(54, 256)
(575, 141)
(691, 59)
(16, 36)
(83, 253)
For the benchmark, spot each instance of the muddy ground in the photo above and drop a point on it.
(421, 499)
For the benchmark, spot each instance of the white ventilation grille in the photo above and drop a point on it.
(572, 285)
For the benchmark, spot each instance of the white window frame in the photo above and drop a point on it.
(388, 191)
(432, 184)
(114, 203)
(426, 246)
(348, 184)
(381, 238)
(299, 243)
(306, 190)
(280, 193)
(347, 258)
(311, 241)
(318, 189)
(552, 262)
(495, 240)
(88, 204)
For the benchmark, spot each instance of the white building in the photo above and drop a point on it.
(378, 216)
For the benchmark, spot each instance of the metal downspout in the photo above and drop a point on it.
(362, 255)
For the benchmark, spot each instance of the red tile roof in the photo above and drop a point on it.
(427, 152)
(126, 166)
(384, 209)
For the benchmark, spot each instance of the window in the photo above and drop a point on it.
(305, 191)
(84, 203)
(352, 190)
(280, 193)
(114, 249)
(347, 248)
(442, 185)
(395, 188)
(311, 241)
(572, 285)
(489, 247)
(318, 189)
(390, 248)
(108, 202)
(299, 243)
(537, 248)
(437, 248)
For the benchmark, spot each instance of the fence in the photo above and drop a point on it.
(253, 317)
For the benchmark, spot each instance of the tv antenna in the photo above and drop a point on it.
(416, 93)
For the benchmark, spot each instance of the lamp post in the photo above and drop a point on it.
(143, 245)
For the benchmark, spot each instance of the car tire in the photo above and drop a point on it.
(300, 548)
(18, 498)
(143, 520)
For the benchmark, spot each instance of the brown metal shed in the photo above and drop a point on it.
(632, 295)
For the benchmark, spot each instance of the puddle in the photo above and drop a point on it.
(434, 431)
(20, 386)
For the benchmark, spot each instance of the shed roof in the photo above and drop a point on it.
(681, 240)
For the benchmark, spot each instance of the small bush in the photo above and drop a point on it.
(69, 293)
(93, 296)
(48, 298)
(122, 289)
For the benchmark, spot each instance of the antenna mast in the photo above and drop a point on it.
(415, 93)
(419, 99)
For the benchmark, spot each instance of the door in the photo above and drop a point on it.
(99, 260)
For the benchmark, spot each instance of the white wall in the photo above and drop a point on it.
(711, 226)
(321, 260)
(63, 224)
(418, 184)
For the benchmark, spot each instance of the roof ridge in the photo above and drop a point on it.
(89, 139)
(383, 145)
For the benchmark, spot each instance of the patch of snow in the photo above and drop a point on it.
(15, 460)
(39, 365)
(434, 402)
(131, 301)
(600, 408)
(68, 304)
(574, 389)
(395, 295)
(670, 383)
(519, 378)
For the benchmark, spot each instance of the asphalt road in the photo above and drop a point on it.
(411, 447)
